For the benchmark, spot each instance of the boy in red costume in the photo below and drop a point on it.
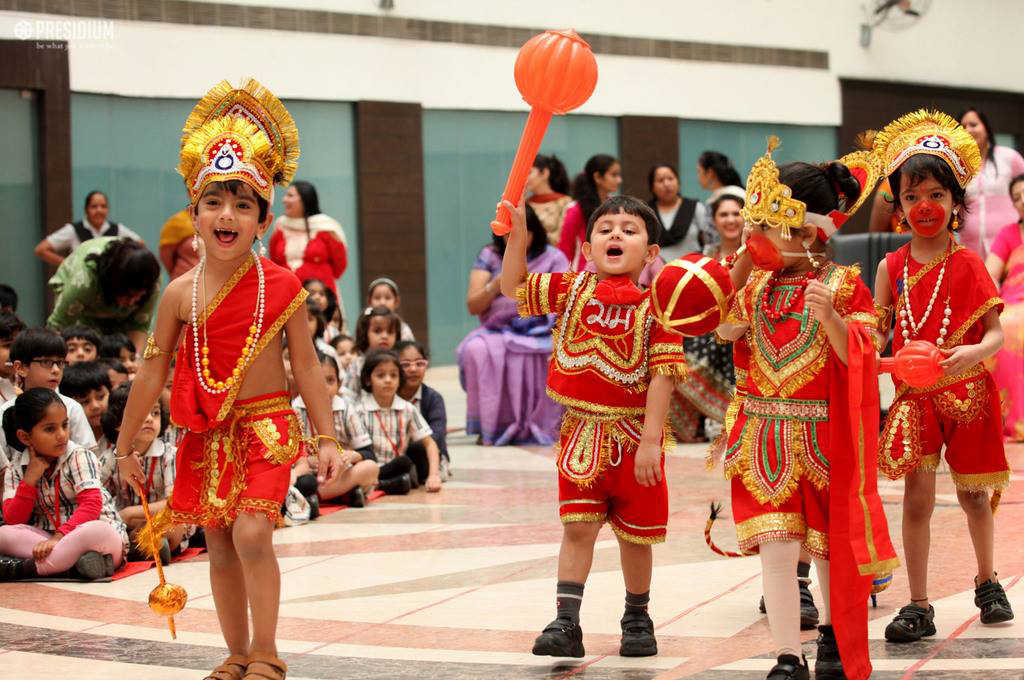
(228, 316)
(801, 473)
(613, 368)
(942, 294)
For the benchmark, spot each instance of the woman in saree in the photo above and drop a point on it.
(1005, 262)
(503, 364)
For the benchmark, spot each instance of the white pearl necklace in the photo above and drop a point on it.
(907, 324)
(255, 330)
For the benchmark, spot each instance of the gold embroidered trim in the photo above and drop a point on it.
(676, 370)
(523, 299)
(228, 286)
(627, 525)
(880, 567)
(268, 335)
(943, 383)
(791, 409)
(964, 410)
(589, 409)
(983, 481)
(981, 311)
(278, 453)
(770, 527)
(816, 543)
(900, 443)
(582, 517)
(884, 317)
(638, 540)
(583, 501)
(929, 463)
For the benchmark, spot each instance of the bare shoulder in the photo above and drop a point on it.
(178, 295)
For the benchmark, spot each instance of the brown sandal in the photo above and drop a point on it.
(233, 668)
(269, 664)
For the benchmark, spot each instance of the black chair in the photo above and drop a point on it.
(867, 250)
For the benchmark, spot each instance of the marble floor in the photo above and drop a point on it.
(456, 585)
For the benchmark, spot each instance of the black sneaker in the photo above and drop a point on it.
(14, 568)
(395, 486)
(93, 565)
(314, 506)
(991, 599)
(356, 498)
(637, 635)
(560, 638)
(911, 624)
(808, 610)
(827, 664)
(789, 668)
(414, 477)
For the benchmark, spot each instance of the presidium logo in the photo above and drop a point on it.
(77, 32)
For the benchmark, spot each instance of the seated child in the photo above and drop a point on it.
(58, 515)
(360, 468)
(377, 328)
(87, 383)
(10, 326)
(414, 360)
(393, 424)
(327, 304)
(345, 347)
(116, 371)
(157, 459)
(83, 344)
(38, 358)
(317, 324)
(383, 292)
(118, 346)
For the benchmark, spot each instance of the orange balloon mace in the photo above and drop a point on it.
(555, 72)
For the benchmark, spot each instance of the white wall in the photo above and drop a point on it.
(949, 46)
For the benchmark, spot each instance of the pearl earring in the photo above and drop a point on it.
(810, 255)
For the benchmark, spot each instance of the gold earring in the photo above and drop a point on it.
(956, 220)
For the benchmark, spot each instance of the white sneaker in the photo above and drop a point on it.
(445, 470)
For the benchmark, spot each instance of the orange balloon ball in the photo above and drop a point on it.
(167, 599)
(691, 295)
(556, 71)
(917, 364)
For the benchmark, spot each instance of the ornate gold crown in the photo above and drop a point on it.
(929, 132)
(242, 133)
(768, 200)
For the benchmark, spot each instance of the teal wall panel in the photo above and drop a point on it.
(743, 143)
(128, 148)
(467, 155)
(19, 194)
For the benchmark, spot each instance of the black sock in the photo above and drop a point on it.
(803, 570)
(568, 598)
(637, 604)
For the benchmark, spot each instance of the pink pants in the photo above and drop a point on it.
(19, 539)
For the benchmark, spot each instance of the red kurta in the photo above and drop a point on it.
(962, 412)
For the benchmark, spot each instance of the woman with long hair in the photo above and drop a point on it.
(989, 207)
(684, 221)
(716, 174)
(306, 241)
(600, 178)
(548, 188)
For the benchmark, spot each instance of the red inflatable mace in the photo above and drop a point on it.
(555, 72)
(916, 364)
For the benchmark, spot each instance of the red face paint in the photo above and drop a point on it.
(764, 253)
(928, 218)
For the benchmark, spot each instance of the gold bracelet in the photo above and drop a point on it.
(314, 441)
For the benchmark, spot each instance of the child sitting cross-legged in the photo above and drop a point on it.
(414, 359)
(157, 459)
(58, 515)
(393, 424)
(360, 468)
(88, 383)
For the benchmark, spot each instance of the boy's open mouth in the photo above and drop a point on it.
(225, 237)
(614, 251)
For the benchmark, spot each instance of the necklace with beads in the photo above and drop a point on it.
(910, 328)
(201, 354)
(775, 314)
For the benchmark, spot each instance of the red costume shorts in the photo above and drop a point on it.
(637, 513)
(244, 465)
(802, 517)
(964, 416)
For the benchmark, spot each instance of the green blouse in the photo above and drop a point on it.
(80, 300)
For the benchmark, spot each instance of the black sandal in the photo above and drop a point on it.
(911, 624)
(789, 668)
(991, 599)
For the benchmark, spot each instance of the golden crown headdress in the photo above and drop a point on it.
(242, 133)
(929, 132)
(771, 202)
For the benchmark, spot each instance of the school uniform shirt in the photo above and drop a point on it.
(391, 429)
(79, 430)
(431, 405)
(66, 239)
(348, 428)
(77, 470)
(351, 389)
(158, 467)
(7, 390)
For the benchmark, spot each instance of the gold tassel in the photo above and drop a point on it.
(153, 534)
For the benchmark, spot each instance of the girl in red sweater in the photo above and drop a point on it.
(57, 514)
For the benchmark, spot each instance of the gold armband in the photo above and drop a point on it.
(884, 315)
(152, 350)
